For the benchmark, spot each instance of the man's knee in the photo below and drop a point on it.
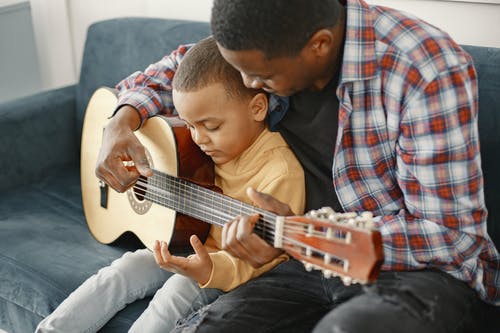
(370, 314)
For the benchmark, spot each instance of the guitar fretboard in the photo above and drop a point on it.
(201, 203)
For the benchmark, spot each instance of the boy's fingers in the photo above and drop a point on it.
(198, 247)
(165, 253)
(157, 253)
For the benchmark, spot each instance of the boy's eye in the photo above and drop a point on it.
(212, 127)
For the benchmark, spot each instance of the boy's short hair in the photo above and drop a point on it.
(203, 65)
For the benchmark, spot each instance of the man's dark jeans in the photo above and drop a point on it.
(290, 299)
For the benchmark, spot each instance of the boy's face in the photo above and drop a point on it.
(222, 126)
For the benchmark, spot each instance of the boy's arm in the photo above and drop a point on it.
(229, 272)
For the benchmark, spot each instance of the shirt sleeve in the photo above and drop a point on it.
(229, 272)
(150, 92)
(439, 173)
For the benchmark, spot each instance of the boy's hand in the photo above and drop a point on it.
(197, 266)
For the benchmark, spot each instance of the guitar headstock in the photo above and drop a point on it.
(340, 244)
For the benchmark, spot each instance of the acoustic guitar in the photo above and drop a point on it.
(180, 199)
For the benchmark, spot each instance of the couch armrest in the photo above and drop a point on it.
(37, 135)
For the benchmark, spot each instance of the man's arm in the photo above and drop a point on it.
(141, 95)
(439, 173)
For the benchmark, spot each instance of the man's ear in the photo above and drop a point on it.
(258, 107)
(321, 43)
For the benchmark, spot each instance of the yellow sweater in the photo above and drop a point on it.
(268, 166)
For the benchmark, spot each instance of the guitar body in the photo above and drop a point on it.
(109, 214)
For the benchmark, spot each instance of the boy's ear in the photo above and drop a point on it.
(258, 106)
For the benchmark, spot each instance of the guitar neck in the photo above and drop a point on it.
(201, 203)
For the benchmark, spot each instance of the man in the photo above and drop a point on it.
(392, 101)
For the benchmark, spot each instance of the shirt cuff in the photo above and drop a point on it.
(222, 271)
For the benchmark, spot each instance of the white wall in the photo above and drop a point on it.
(53, 41)
(61, 25)
(85, 12)
(19, 68)
(468, 22)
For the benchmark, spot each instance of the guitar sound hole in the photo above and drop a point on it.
(140, 188)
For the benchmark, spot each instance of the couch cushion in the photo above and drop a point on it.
(487, 63)
(116, 48)
(46, 251)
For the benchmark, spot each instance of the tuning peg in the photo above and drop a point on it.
(308, 266)
(347, 280)
(369, 224)
(327, 273)
(367, 215)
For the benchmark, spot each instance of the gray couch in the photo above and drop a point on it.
(46, 250)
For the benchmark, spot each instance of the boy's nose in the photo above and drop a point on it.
(199, 138)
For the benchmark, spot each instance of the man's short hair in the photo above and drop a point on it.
(203, 65)
(274, 27)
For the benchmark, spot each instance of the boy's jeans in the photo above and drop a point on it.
(133, 276)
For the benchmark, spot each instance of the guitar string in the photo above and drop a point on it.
(217, 213)
(218, 217)
(197, 191)
(269, 219)
(224, 220)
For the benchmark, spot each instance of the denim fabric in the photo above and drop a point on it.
(133, 276)
(289, 299)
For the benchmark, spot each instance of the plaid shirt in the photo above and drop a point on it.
(407, 147)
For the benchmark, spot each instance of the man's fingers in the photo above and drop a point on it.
(236, 233)
(246, 227)
(114, 173)
(268, 202)
(119, 145)
(137, 154)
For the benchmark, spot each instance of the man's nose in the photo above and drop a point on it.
(252, 82)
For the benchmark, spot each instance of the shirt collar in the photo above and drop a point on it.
(278, 106)
(359, 60)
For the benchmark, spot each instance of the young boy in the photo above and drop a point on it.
(228, 122)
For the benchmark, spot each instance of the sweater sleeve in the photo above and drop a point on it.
(229, 272)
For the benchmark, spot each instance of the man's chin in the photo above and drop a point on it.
(280, 93)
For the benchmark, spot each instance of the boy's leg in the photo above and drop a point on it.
(418, 301)
(88, 308)
(178, 297)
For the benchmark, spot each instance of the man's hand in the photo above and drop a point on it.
(238, 237)
(197, 266)
(119, 144)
